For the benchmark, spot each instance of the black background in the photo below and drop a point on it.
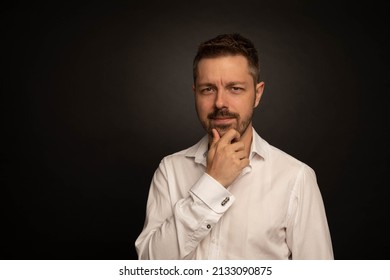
(94, 95)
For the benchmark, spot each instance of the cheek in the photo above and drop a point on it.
(245, 108)
(202, 106)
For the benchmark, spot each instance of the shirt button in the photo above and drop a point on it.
(225, 201)
(208, 226)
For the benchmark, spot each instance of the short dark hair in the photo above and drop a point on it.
(229, 44)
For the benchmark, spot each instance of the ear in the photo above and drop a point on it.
(258, 93)
(193, 89)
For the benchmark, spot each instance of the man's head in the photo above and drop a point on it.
(229, 44)
(226, 71)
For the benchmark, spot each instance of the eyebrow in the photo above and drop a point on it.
(206, 85)
(230, 84)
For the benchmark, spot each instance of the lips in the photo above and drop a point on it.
(222, 117)
(222, 114)
(224, 120)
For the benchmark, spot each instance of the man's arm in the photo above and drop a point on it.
(173, 231)
(308, 234)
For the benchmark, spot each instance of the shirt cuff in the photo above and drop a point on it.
(213, 194)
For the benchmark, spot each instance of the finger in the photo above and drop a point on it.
(238, 146)
(244, 163)
(241, 155)
(216, 137)
(231, 135)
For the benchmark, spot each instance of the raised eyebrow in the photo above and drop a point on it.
(234, 84)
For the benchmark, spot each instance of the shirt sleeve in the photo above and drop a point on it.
(174, 232)
(308, 235)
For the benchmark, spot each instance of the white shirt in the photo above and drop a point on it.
(273, 210)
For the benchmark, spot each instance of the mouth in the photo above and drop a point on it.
(222, 120)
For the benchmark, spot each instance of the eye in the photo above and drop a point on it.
(236, 89)
(207, 90)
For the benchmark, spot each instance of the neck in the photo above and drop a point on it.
(246, 138)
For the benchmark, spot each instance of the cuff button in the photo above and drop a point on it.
(225, 201)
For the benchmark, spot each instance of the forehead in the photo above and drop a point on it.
(224, 67)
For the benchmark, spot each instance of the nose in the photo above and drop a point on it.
(220, 100)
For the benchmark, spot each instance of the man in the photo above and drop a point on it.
(232, 195)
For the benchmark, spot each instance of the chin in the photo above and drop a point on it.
(223, 129)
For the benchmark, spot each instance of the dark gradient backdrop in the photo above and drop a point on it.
(93, 96)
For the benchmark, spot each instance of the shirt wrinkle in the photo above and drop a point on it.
(294, 194)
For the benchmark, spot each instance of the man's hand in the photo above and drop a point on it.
(226, 157)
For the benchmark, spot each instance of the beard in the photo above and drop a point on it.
(241, 125)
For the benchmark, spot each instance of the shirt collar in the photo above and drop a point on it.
(199, 150)
(259, 146)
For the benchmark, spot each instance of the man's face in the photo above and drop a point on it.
(225, 94)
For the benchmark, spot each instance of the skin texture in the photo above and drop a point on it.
(225, 97)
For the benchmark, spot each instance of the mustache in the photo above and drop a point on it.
(222, 113)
